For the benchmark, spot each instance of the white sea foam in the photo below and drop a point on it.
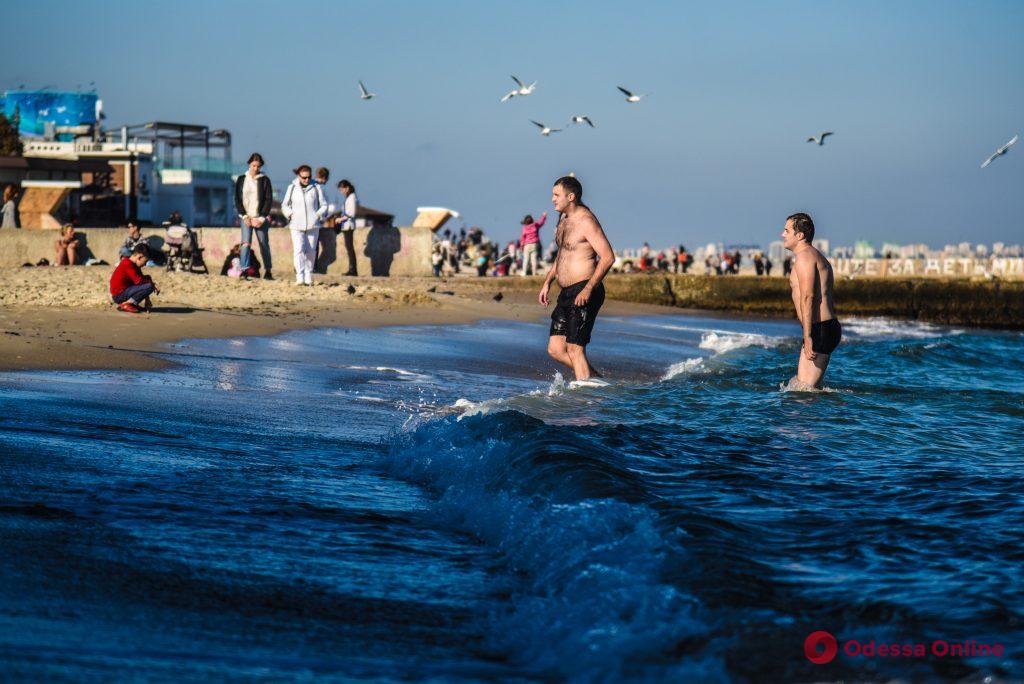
(478, 408)
(683, 367)
(467, 407)
(894, 328)
(795, 385)
(401, 372)
(720, 344)
(577, 384)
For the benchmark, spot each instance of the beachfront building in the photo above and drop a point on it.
(144, 171)
(156, 168)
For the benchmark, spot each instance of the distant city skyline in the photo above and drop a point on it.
(915, 93)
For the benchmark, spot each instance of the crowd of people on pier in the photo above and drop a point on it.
(471, 251)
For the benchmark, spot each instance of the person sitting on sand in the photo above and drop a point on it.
(134, 238)
(67, 247)
(233, 264)
(129, 287)
(811, 281)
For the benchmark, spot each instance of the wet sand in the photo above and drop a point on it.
(62, 318)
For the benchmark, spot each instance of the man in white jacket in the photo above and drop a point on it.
(304, 206)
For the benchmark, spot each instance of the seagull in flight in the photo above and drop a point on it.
(544, 130)
(630, 97)
(365, 94)
(1000, 152)
(820, 140)
(521, 90)
(581, 118)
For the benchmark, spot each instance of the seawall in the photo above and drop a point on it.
(988, 303)
(379, 251)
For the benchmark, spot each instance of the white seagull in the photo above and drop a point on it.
(1000, 152)
(365, 94)
(630, 97)
(544, 130)
(820, 140)
(521, 90)
(581, 118)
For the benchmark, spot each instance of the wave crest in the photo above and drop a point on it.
(578, 535)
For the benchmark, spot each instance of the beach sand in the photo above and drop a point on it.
(61, 318)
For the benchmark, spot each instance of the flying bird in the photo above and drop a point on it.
(1000, 152)
(820, 140)
(364, 94)
(630, 97)
(581, 118)
(544, 130)
(520, 90)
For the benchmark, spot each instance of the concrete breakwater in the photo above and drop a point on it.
(379, 251)
(989, 303)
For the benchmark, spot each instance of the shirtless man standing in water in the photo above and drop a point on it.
(584, 257)
(811, 281)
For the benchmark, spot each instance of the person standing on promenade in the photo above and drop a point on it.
(253, 200)
(9, 211)
(327, 242)
(304, 206)
(811, 281)
(530, 241)
(348, 223)
(584, 258)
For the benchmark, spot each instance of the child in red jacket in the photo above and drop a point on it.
(128, 286)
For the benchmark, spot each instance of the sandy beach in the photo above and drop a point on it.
(61, 318)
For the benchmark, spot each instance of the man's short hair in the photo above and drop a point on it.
(802, 225)
(570, 184)
(141, 248)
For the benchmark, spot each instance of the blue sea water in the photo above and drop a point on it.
(434, 503)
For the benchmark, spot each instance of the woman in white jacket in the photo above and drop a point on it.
(304, 206)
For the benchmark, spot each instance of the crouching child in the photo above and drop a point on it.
(129, 288)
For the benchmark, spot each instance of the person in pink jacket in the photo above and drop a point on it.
(530, 242)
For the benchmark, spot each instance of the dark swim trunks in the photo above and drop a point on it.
(576, 322)
(825, 336)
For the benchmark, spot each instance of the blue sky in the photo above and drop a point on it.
(918, 93)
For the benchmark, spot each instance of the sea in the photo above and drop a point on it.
(439, 503)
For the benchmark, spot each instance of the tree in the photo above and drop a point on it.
(10, 141)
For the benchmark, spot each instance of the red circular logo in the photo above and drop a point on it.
(820, 647)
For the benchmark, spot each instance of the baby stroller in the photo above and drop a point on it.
(184, 252)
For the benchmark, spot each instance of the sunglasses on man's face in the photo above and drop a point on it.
(304, 177)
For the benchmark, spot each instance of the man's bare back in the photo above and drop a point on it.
(577, 258)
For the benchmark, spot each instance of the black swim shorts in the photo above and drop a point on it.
(825, 336)
(576, 322)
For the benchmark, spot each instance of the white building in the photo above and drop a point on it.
(158, 167)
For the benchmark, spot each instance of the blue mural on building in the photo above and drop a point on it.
(37, 108)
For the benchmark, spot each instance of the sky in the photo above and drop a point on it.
(918, 94)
